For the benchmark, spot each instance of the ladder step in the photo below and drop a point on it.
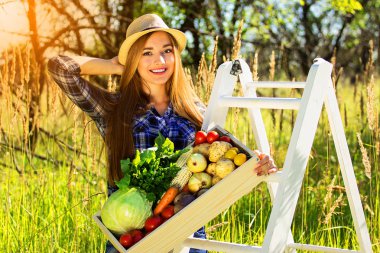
(261, 102)
(318, 248)
(227, 247)
(283, 84)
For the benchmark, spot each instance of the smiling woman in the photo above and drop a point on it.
(154, 94)
(13, 24)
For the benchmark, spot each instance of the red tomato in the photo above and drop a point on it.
(137, 235)
(126, 240)
(152, 223)
(212, 136)
(167, 212)
(200, 137)
(225, 138)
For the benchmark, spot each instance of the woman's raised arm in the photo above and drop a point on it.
(97, 66)
(92, 99)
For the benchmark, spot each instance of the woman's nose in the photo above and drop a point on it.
(161, 59)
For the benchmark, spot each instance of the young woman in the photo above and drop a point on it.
(154, 95)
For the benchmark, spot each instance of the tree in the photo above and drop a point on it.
(36, 82)
(307, 29)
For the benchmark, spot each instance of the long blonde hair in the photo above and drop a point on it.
(182, 95)
(134, 101)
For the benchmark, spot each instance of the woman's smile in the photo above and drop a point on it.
(158, 71)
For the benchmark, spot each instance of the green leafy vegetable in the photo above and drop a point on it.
(152, 170)
(125, 210)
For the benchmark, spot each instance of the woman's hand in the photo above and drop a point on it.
(119, 68)
(266, 164)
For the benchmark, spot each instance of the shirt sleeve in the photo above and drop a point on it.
(90, 98)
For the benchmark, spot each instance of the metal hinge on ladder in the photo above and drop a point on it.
(236, 69)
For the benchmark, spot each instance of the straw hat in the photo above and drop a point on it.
(146, 24)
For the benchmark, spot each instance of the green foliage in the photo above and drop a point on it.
(347, 6)
(152, 170)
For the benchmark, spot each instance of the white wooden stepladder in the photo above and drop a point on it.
(284, 186)
(285, 189)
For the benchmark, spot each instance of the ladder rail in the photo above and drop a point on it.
(226, 247)
(260, 102)
(222, 86)
(259, 131)
(347, 171)
(318, 248)
(296, 159)
(276, 84)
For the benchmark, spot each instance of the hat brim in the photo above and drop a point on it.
(128, 42)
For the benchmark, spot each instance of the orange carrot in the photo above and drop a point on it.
(166, 199)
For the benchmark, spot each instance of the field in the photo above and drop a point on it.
(52, 185)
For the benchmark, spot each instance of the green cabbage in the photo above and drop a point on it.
(125, 210)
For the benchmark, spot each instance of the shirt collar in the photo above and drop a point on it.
(168, 112)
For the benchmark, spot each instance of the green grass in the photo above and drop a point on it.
(49, 207)
(41, 214)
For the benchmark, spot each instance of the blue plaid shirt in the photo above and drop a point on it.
(66, 73)
(178, 129)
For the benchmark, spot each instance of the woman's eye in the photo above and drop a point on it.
(167, 51)
(147, 53)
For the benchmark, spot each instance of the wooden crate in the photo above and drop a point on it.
(170, 235)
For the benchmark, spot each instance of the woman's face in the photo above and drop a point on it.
(156, 64)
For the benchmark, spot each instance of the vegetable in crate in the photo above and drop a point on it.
(153, 170)
(125, 210)
(217, 150)
(166, 199)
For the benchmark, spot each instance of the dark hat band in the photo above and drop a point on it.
(154, 27)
